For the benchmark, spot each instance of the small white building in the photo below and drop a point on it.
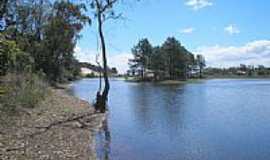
(239, 72)
(147, 73)
(194, 71)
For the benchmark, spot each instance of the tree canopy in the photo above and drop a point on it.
(171, 60)
(46, 32)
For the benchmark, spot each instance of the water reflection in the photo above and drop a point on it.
(103, 139)
(216, 119)
(157, 106)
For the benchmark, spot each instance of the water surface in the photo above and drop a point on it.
(214, 119)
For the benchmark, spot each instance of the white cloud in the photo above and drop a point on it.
(252, 53)
(120, 60)
(85, 56)
(187, 30)
(232, 29)
(198, 4)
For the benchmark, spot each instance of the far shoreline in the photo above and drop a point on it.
(196, 80)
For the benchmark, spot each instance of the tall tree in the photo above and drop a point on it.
(176, 58)
(103, 10)
(60, 36)
(46, 31)
(171, 60)
(201, 63)
(142, 54)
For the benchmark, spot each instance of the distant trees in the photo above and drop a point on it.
(242, 70)
(114, 70)
(200, 60)
(177, 59)
(170, 61)
(143, 55)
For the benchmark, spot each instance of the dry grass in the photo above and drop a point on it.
(23, 136)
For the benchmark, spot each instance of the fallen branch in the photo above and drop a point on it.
(70, 119)
(14, 149)
(76, 118)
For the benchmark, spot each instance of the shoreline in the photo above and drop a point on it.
(60, 127)
(194, 80)
(166, 82)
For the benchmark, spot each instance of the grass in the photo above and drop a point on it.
(22, 90)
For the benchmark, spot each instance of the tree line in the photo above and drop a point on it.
(241, 70)
(40, 36)
(171, 60)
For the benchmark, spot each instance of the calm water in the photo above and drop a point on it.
(215, 119)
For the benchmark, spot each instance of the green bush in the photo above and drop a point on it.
(23, 90)
(12, 58)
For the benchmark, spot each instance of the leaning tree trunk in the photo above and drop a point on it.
(102, 98)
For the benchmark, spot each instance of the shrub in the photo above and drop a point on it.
(12, 58)
(23, 90)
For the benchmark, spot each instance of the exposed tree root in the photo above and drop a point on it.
(77, 118)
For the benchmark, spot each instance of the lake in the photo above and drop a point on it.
(213, 120)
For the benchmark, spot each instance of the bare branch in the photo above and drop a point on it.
(113, 17)
(108, 5)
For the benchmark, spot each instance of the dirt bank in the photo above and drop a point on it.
(61, 127)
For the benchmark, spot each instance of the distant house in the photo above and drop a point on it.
(134, 72)
(147, 73)
(239, 72)
(194, 71)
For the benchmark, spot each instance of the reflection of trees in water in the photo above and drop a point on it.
(104, 142)
(159, 107)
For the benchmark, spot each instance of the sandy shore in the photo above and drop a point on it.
(62, 127)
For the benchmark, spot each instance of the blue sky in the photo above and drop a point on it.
(226, 32)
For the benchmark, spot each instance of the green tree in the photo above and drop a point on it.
(201, 63)
(177, 58)
(158, 63)
(142, 53)
(170, 61)
(60, 36)
(12, 59)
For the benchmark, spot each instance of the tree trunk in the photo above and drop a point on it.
(142, 73)
(102, 98)
(200, 72)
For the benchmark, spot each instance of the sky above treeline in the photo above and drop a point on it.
(226, 32)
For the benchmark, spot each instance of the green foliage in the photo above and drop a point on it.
(170, 61)
(44, 31)
(23, 90)
(114, 70)
(60, 35)
(38, 37)
(201, 63)
(177, 58)
(142, 53)
(12, 58)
